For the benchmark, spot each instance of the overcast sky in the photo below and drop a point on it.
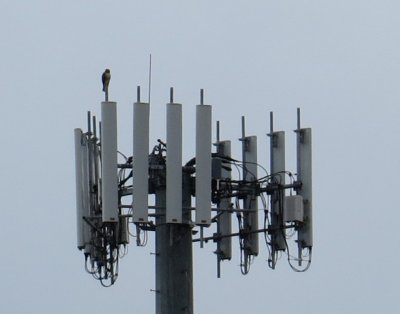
(337, 60)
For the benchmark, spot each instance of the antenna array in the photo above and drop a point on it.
(112, 196)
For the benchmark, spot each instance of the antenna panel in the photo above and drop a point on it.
(278, 197)
(203, 165)
(278, 156)
(304, 173)
(86, 192)
(140, 166)
(80, 182)
(250, 202)
(109, 160)
(225, 220)
(174, 163)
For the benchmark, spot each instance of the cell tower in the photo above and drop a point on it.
(112, 197)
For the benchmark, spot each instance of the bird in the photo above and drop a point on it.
(105, 78)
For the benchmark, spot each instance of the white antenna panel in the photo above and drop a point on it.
(109, 160)
(203, 165)
(140, 164)
(174, 163)
(80, 196)
(82, 188)
(304, 173)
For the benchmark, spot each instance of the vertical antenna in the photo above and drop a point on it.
(100, 131)
(140, 166)
(245, 141)
(88, 122)
(138, 94)
(271, 122)
(95, 150)
(298, 118)
(217, 131)
(80, 196)
(244, 147)
(243, 128)
(149, 78)
(171, 95)
(203, 164)
(201, 237)
(174, 163)
(271, 133)
(94, 126)
(218, 266)
(109, 160)
(201, 96)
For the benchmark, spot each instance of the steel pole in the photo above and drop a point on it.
(174, 260)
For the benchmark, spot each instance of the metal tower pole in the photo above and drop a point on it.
(174, 260)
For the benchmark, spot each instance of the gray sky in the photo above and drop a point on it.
(337, 60)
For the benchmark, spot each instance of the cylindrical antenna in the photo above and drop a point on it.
(138, 94)
(149, 78)
(218, 266)
(201, 96)
(100, 130)
(89, 122)
(217, 131)
(298, 118)
(171, 95)
(94, 126)
(201, 237)
(271, 122)
(243, 128)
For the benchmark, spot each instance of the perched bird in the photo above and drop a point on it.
(105, 78)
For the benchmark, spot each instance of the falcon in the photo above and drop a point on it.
(105, 78)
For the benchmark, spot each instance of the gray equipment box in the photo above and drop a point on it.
(293, 209)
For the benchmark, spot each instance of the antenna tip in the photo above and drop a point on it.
(171, 95)
(138, 93)
(298, 118)
(201, 96)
